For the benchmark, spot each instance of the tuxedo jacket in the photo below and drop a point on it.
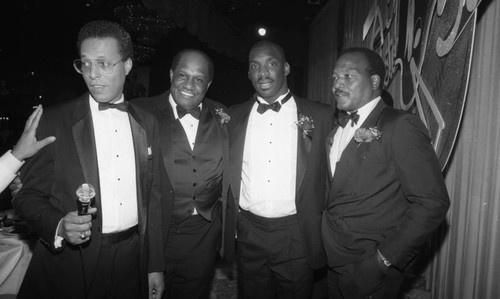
(387, 194)
(160, 106)
(50, 180)
(310, 178)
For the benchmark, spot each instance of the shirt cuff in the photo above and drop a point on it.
(385, 261)
(58, 239)
(10, 163)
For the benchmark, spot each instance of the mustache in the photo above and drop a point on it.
(340, 90)
(265, 78)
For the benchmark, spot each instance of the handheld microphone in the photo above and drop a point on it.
(85, 194)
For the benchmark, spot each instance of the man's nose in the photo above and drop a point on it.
(94, 71)
(339, 82)
(188, 83)
(263, 71)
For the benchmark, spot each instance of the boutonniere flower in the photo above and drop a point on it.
(306, 124)
(223, 116)
(367, 135)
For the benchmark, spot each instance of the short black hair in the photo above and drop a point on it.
(376, 65)
(269, 43)
(177, 58)
(104, 29)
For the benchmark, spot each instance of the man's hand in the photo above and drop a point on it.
(156, 285)
(15, 186)
(76, 229)
(27, 145)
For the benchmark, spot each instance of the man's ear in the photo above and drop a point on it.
(375, 81)
(128, 66)
(287, 69)
(171, 75)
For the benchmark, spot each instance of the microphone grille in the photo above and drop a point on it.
(86, 191)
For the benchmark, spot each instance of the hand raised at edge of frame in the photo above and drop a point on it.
(27, 145)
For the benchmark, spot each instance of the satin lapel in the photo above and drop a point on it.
(237, 140)
(222, 130)
(371, 121)
(205, 118)
(328, 145)
(141, 164)
(344, 165)
(167, 122)
(83, 136)
(354, 150)
(303, 144)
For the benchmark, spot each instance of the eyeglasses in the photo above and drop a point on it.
(83, 66)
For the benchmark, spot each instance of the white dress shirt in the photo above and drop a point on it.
(188, 122)
(268, 176)
(9, 166)
(344, 135)
(116, 163)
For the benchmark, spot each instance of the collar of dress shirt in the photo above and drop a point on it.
(364, 111)
(94, 105)
(173, 104)
(261, 100)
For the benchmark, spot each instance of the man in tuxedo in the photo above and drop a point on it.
(277, 181)
(387, 193)
(114, 251)
(193, 141)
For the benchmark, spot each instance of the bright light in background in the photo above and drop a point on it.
(262, 31)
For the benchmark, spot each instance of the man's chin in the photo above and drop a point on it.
(342, 106)
(341, 101)
(100, 98)
(264, 93)
(188, 104)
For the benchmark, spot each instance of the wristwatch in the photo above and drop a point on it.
(383, 259)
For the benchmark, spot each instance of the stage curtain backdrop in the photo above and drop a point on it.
(323, 50)
(468, 263)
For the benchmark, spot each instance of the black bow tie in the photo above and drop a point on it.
(123, 106)
(194, 112)
(344, 118)
(276, 106)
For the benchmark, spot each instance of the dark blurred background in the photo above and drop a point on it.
(38, 47)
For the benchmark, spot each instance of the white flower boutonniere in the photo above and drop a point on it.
(367, 135)
(306, 124)
(223, 116)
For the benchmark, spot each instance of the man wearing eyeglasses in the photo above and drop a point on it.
(116, 250)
